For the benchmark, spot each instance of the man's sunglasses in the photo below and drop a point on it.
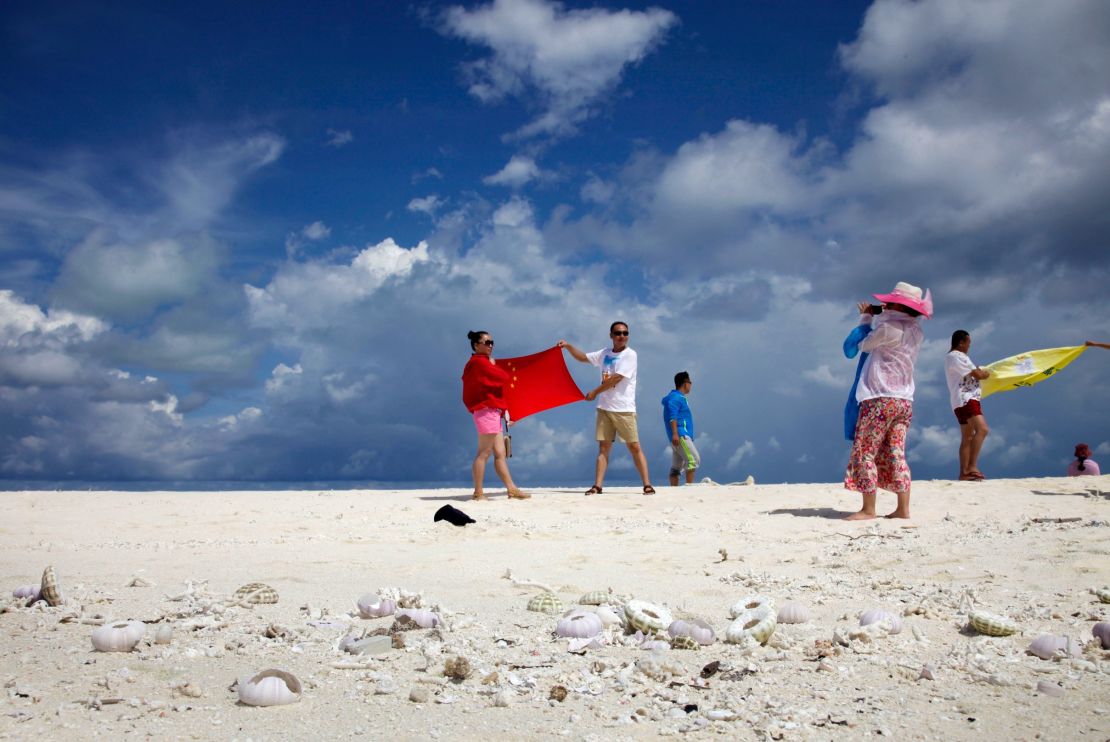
(623, 333)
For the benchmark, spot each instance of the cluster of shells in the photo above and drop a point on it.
(597, 616)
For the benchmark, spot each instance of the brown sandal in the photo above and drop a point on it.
(649, 490)
(595, 490)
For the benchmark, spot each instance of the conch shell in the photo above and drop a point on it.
(49, 589)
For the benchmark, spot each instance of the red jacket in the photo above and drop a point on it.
(483, 384)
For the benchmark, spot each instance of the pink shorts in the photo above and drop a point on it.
(487, 420)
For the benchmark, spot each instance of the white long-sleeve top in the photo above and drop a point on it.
(892, 346)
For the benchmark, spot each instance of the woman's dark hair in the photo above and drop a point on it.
(474, 336)
(681, 378)
(958, 337)
(614, 326)
(1082, 452)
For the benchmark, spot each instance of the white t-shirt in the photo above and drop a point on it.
(622, 397)
(962, 387)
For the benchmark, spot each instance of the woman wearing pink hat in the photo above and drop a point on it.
(885, 394)
(1083, 464)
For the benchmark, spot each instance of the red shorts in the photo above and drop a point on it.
(968, 411)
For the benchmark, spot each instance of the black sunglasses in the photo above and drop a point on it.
(487, 343)
(620, 332)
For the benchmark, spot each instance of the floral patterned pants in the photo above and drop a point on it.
(879, 452)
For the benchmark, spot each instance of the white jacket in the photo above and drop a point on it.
(892, 346)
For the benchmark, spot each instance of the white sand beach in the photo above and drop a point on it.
(1027, 549)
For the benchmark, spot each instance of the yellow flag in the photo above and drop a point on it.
(1028, 368)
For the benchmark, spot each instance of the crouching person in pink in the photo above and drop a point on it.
(885, 394)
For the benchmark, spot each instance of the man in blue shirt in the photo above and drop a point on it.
(680, 429)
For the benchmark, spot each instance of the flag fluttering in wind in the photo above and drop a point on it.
(538, 382)
(1027, 369)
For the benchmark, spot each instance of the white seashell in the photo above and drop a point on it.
(749, 603)
(422, 618)
(118, 636)
(546, 603)
(752, 624)
(25, 591)
(655, 645)
(793, 613)
(49, 588)
(609, 617)
(1049, 688)
(647, 617)
(697, 629)
(891, 622)
(1048, 646)
(269, 688)
(1101, 631)
(991, 624)
(1102, 593)
(579, 625)
(371, 606)
(164, 634)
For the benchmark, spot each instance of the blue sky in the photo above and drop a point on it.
(247, 242)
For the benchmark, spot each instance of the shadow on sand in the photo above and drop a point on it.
(812, 513)
(1092, 492)
(499, 494)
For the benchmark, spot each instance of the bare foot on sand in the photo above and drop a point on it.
(899, 514)
(478, 496)
(861, 515)
(518, 495)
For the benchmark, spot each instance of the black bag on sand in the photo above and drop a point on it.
(453, 515)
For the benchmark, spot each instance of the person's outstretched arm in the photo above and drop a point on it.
(1093, 344)
(577, 354)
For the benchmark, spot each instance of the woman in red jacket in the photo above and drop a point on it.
(483, 390)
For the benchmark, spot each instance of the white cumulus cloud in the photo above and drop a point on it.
(568, 58)
(517, 172)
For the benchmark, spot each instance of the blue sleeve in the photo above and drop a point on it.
(855, 337)
(670, 408)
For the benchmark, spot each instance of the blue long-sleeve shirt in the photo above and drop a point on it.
(675, 407)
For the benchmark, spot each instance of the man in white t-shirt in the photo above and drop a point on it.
(964, 394)
(616, 403)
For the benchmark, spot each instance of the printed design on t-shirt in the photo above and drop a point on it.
(608, 363)
(969, 389)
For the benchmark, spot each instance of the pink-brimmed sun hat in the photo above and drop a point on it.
(910, 296)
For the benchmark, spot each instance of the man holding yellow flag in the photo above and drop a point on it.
(964, 393)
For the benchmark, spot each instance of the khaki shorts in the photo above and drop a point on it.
(611, 424)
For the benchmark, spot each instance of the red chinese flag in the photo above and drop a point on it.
(538, 382)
